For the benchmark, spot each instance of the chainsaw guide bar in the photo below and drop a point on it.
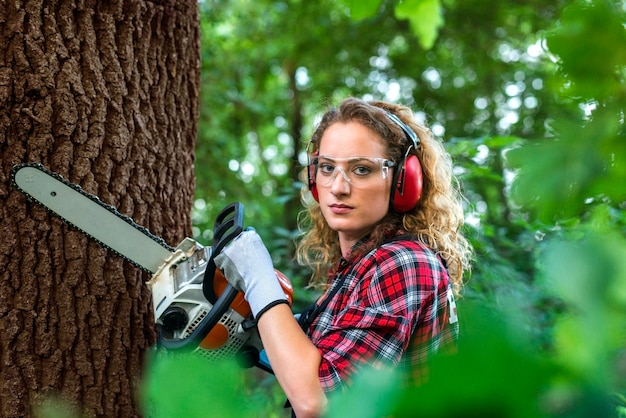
(94, 218)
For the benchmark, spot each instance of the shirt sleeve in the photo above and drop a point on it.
(378, 314)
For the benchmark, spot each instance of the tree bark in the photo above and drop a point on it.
(104, 93)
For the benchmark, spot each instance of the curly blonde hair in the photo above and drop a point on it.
(436, 220)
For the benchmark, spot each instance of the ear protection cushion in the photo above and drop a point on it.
(311, 173)
(408, 186)
(312, 185)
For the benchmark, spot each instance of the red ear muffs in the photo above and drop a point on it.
(408, 186)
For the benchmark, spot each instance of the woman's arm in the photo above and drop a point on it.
(248, 266)
(294, 359)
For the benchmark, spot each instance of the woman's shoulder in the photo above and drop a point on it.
(408, 253)
(406, 261)
(405, 246)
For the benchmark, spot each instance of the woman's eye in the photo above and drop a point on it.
(362, 170)
(326, 168)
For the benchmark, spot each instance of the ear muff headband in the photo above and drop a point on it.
(408, 132)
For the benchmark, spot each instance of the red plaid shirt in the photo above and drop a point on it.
(394, 307)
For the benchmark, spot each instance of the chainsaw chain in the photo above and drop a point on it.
(94, 199)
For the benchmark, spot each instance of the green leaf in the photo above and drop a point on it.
(591, 44)
(372, 395)
(589, 276)
(493, 375)
(425, 18)
(361, 9)
(190, 386)
(559, 176)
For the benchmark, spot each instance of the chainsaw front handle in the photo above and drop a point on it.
(228, 225)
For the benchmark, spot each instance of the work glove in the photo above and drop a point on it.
(247, 266)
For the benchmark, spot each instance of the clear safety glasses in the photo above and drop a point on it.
(358, 171)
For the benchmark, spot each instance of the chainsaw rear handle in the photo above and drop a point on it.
(228, 225)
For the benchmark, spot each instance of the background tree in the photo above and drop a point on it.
(106, 94)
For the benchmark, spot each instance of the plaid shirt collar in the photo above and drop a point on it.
(358, 250)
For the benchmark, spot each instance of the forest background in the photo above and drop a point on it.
(529, 98)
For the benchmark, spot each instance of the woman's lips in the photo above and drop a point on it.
(340, 209)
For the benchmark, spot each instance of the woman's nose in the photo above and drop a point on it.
(340, 184)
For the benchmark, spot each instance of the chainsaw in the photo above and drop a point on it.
(195, 308)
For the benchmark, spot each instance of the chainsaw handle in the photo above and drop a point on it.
(205, 326)
(228, 225)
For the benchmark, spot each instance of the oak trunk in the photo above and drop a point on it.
(104, 93)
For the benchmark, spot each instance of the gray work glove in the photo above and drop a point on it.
(247, 266)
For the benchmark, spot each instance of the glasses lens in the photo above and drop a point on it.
(358, 171)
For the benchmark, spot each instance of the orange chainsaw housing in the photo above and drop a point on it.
(218, 336)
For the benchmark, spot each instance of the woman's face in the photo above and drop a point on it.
(353, 192)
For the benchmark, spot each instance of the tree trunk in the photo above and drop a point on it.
(104, 93)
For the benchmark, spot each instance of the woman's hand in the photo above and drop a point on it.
(247, 265)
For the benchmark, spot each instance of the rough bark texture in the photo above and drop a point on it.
(104, 93)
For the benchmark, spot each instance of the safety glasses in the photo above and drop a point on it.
(358, 171)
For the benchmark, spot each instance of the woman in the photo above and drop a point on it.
(383, 240)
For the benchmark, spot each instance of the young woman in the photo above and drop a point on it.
(384, 242)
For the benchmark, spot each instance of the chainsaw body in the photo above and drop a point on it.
(180, 306)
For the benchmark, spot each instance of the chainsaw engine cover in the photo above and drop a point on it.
(180, 307)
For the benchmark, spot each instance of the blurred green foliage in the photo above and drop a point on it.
(530, 99)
